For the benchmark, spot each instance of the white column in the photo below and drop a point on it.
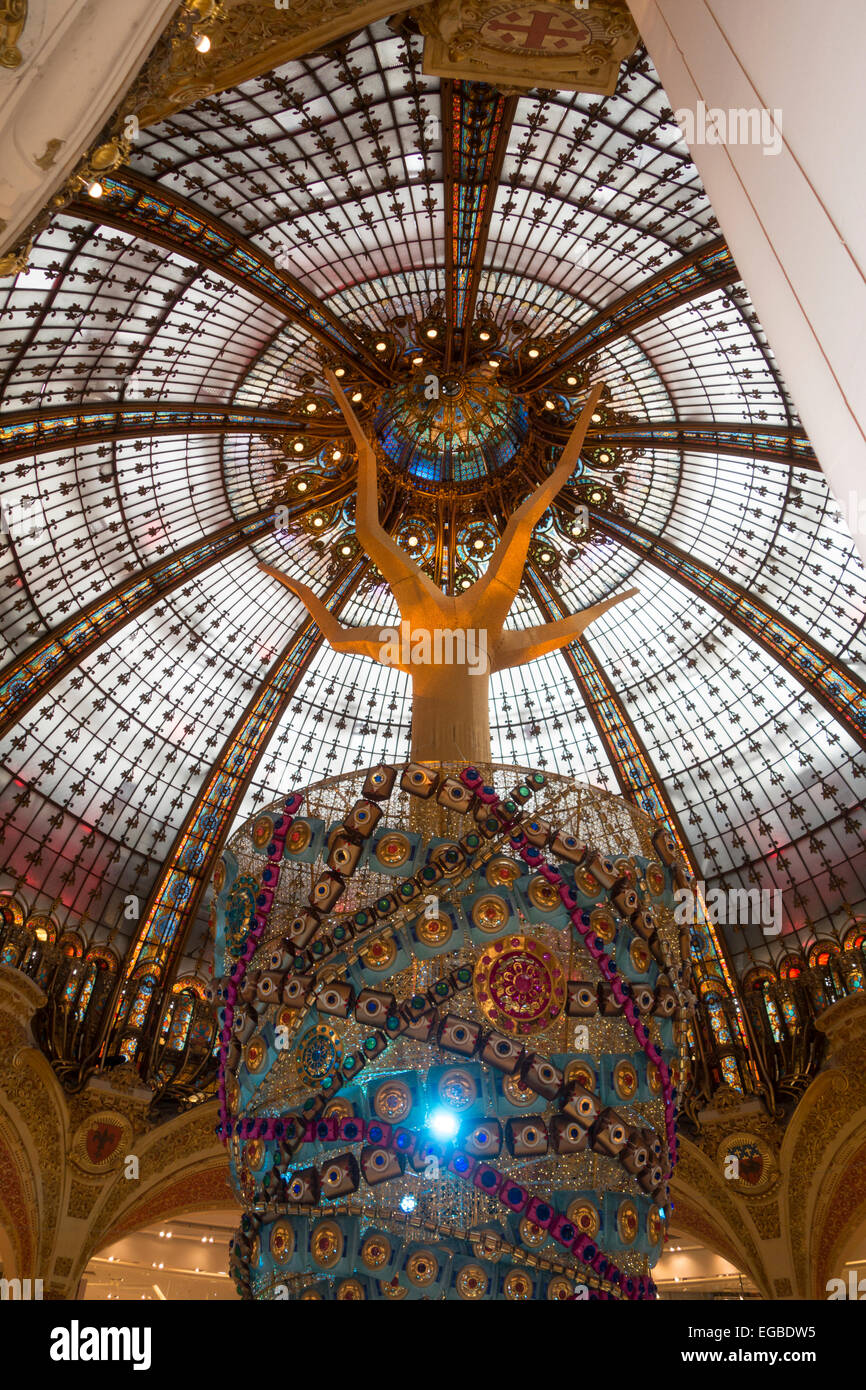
(795, 220)
(78, 57)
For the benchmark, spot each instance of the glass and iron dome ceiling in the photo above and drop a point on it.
(160, 358)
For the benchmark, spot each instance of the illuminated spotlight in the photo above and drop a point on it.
(380, 347)
(357, 396)
(546, 555)
(318, 521)
(341, 371)
(411, 541)
(202, 43)
(337, 455)
(478, 545)
(596, 419)
(465, 583)
(485, 337)
(162, 1235)
(604, 458)
(312, 408)
(408, 1202)
(492, 362)
(302, 486)
(550, 405)
(571, 380)
(533, 352)
(432, 332)
(443, 1123)
(345, 550)
(416, 361)
(96, 190)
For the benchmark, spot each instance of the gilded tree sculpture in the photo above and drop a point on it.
(451, 700)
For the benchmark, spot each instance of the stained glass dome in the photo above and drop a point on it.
(164, 689)
(462, 429)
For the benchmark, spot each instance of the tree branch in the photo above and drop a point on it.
(396, 566)
(517, 647)
(498, 586)
(360, 641)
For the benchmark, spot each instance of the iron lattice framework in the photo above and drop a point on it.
(165, 370)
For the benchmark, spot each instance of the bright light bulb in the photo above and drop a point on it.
(596, 419)
(317, 521)
(337, 455)
(492, 362)
(444, 1123)
(432, 333)
(299, 448)
(549, 405)
(478, 545)
(416, 361)
(345, 550)
(412, 541)
(357, 396)
(604, 458)
(485, 337)
(202, 43)
(533, 352)
(408, 1202)
(341, 371)
(572, 380)
(380, 347)
(96, 190)
(312, 408)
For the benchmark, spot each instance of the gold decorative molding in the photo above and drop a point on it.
(247, 38)
(528, 43)
(13, 17)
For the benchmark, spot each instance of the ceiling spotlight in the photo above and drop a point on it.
(408, 1202)
(478, 545)
(465, 583)
(345, 550)
(572, 380)
(302, 487)
(546, 556)
(318, 521)
(492, 362)
(340, 371)
(311, 408)
(432, 332)
(411, 541)
(604, 458)
(596, 419)
(596, 497)
(416, 361)
(96, 190)
(337, 455)
(299, 448)
(533, 352)
(484, 336)
(550, 405)
(380, 347)
(202, 43)
(357, 396)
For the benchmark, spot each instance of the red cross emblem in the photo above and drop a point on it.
(102, 1140)
(537, 29)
